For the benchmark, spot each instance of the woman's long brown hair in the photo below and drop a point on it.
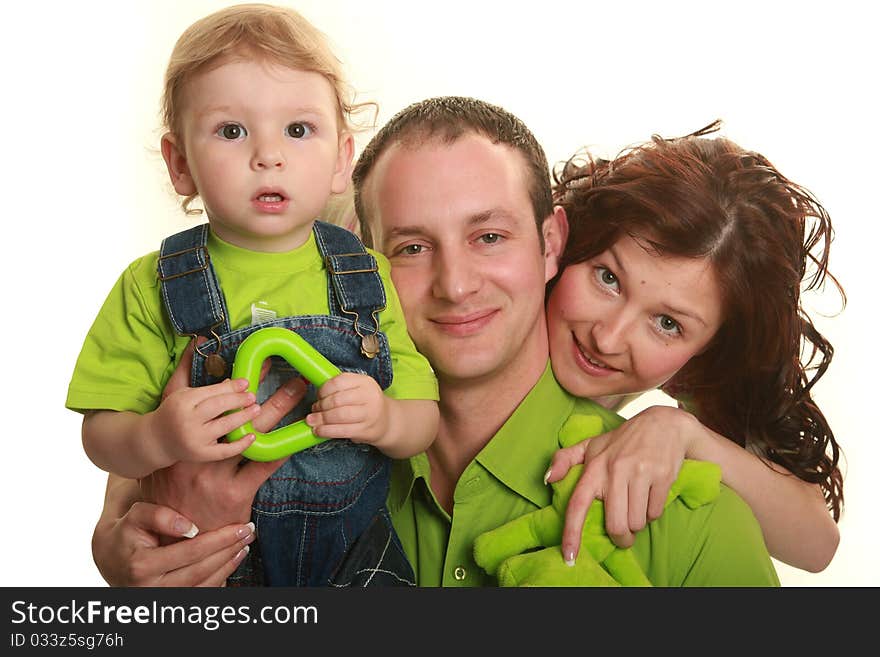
(768, 239)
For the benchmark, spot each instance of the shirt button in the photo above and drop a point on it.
(460, 573)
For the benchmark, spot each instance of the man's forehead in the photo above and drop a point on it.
(421, 182)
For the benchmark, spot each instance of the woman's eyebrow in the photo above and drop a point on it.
(678, 311)
(617, 260)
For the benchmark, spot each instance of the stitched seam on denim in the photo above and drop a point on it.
(300, 553)
(322, 247)
(338, 482)
(347, 502)
(340, 289)
(333, 286)
(210, 281)
(339, 329)
(375, 570)
(213, 291)
(381, 559)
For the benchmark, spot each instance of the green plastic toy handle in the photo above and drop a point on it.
(257, 347)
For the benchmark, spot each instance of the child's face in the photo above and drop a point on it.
(262, 148)
(627, 320)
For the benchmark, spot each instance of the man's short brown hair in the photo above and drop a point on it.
(447, 118)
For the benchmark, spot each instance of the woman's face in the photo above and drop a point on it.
(627, 320)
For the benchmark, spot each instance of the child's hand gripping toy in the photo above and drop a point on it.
(505, 551)
(275, 341)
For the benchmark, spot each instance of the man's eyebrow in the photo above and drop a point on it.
(489, 215)
(418, 230)
(404, 231)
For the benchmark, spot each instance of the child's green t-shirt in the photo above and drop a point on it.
(132, 349)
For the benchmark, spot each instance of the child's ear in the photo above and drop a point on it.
(344, 161)
(555, 232)
(178, 169)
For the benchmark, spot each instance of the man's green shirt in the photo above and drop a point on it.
(718, 544)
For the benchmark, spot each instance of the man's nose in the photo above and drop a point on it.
(455, 275)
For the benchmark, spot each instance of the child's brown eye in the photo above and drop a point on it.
(298, 130)
(232, 131)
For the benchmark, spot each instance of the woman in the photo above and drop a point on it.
(683, 270)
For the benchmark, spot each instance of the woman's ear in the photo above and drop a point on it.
(555, 233)
(178, 168)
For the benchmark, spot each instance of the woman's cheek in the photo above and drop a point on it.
(657, 366)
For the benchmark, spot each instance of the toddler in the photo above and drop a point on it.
(257, 123)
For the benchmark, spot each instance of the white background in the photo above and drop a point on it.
(84, 189)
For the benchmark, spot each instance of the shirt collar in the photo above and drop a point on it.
(537, 420)
(403, 475)
(521, 451)
(240, 259)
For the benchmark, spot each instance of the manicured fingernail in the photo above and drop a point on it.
(246, 531)
(184, 527)
(547, 474)
(242, 553)
(569, 558)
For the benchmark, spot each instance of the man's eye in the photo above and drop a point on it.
(490, 238)
(412, 249)
(298, 130)
(232, 131)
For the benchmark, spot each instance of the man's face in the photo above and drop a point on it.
(457, 224)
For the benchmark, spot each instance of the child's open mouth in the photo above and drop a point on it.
(270, 201)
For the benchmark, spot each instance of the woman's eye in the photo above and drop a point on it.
(232, 131)
(668, 325)
(412, 249)
(606, 277)
(298, 130)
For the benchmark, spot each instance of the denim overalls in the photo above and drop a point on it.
(321, 518)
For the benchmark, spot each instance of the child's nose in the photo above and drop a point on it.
(267, 156)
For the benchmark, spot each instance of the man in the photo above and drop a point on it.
(455, 193)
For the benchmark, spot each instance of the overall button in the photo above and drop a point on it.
(460, 573)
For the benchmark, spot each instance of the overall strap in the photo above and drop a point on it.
(354, 275)
(189, 285)
(355, 285)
